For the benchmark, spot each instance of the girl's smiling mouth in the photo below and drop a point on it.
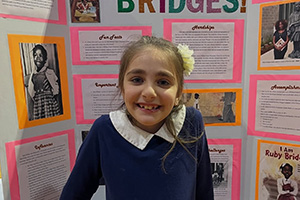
(148, 107)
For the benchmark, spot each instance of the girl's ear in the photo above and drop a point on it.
(176, 102)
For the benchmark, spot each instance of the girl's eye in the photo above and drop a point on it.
(163, 83)
(136, 80)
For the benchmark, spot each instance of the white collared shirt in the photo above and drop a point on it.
(140, 138)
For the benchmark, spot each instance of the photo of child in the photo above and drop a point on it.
(286, 186)
(41, 80)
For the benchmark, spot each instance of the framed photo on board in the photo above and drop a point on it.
(219, 107)
(85, 11)
(277, 170)
(40, 79)
(278, 47)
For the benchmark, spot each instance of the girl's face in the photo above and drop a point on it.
(286, 171)
(38, 58)
(150, 89)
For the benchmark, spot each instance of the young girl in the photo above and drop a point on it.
(287, 187)
(154, 148)
(43, 87)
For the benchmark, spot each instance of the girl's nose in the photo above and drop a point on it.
(149, 92)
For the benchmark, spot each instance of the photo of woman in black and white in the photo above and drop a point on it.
(41, 79)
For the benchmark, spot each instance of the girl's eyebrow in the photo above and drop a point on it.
(166, 74)
(136, 71)
(160, 73)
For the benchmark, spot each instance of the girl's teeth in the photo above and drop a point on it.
(149, 107)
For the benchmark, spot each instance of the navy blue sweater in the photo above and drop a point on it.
(133, 174)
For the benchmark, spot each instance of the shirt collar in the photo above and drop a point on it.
(140, 138)
(43, 69)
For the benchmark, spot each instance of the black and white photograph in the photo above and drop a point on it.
(219, 174)
(41, 80)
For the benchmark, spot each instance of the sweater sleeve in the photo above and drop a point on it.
(204, 186)
(204, 177)
(86, 174)
(295, 186)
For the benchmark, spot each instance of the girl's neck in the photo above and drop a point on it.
(41, 69)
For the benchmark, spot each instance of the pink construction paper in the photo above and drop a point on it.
(78, 94)
(263, 1)
(74, 32)
(61, 15)
(236, 163)
(11, 158)
(237, 51)
(252, 106)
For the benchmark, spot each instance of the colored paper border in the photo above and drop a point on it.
(263, 1)
(74, 33)
(237, 49)
(236, 163)
(13, 41)
(252, 106)
(78, 94)
(12, 163)
(62, 19)
(259, 142)
(259, 41)
(238, 103)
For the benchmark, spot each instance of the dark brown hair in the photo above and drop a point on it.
(43, 50)
(284, 165)
(284, 23)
